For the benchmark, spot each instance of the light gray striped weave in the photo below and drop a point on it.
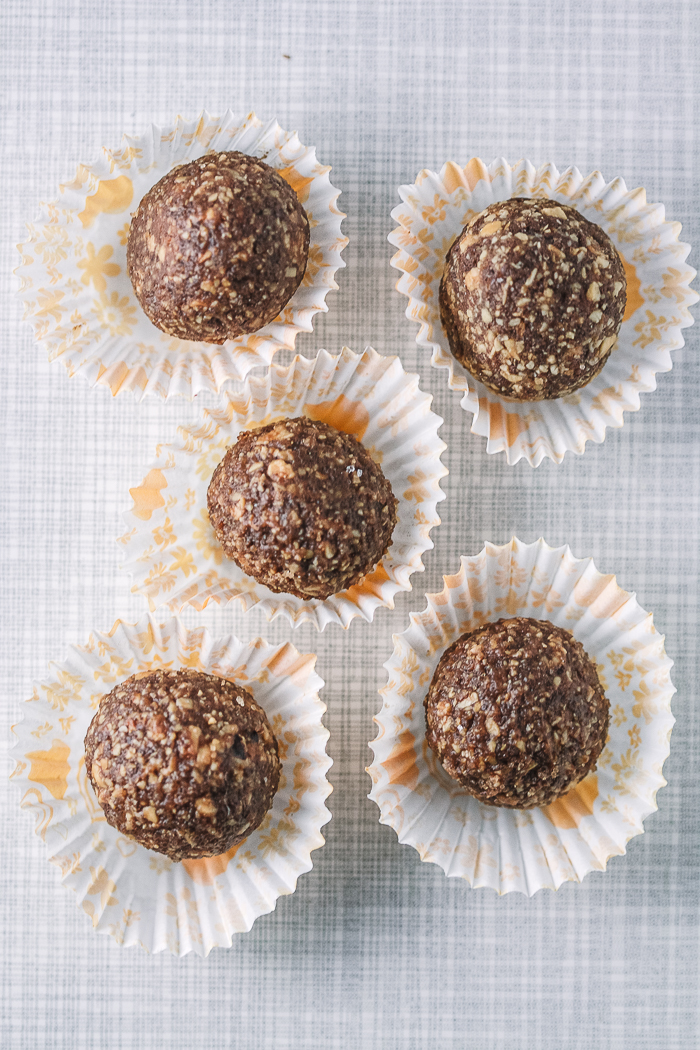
(375, 949)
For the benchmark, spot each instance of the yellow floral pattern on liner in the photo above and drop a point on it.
(436, 208)
(140, 897)
(73, 279)
(170, 547)
(526, 850)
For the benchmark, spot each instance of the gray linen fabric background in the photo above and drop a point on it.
(375, 949)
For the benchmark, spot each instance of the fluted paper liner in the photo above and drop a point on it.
(138, 896)
(526, 850)
(433, 212)
(170, 547)
(78, 296)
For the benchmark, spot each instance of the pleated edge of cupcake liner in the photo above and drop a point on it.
(458, 377)
(187, 387)
(323, 613)
(382, 719)
(19, 738)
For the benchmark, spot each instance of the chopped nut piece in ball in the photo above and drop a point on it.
(302, 507)
(516, 713)
(532, 298)
(217, 248)
(184, 762)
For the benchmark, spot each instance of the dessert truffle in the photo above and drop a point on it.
(515, 712)
(184, 762)
(532, 298)
(301, 507)
(217, 248)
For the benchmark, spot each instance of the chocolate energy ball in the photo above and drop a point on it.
(184, 762)
(532, 298)
(217, 248)
(301, 507)
(516, 713)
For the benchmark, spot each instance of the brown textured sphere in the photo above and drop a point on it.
(532, 298)
(516, 713)
(301, 507)
(217, 248)
(184, 762)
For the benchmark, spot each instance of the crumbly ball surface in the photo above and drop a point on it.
(186, 763)
(516, 713)
(217, 248)
(532, 298)
(302, 507)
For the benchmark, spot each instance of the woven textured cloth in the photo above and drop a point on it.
(375, 948)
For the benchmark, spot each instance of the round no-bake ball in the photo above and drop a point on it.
(301, 507)
(184, 762)
(532, 298)
(516, 713)
(217, 248)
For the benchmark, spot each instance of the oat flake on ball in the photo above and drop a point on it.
(301, 507)
(516, 712)
(532, 298)
(183, 762)
(217, 248)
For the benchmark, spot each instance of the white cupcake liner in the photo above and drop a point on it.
(434, 211)
(170, 547)
(131, 893)
(74, 283)
(526, 850)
